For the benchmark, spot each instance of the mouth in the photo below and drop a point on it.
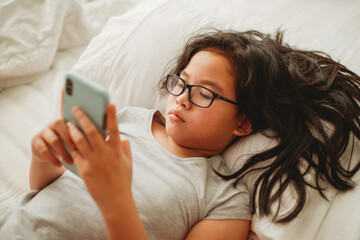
(175, 116)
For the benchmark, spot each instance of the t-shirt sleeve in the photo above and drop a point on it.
(133, 120)
(230, 203)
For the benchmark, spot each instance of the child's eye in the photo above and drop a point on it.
(206, 95)
(180, 84)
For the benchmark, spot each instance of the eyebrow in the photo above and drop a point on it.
(206, 82)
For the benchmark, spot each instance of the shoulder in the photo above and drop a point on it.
(132, 112)
(135, 121)
(226, 199)
(134, 115)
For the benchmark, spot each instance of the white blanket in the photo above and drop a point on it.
(33, 32)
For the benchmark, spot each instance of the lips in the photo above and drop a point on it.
(176, 116)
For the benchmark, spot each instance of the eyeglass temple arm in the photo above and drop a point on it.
(225, 99)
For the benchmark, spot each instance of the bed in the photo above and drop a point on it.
(126, 45)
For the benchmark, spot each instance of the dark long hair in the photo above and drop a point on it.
(309, 101)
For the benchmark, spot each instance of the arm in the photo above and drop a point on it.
(42, 174)
(46, 147)
(229, 229)
(125, 216)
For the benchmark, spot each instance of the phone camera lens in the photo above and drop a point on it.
(69, 86)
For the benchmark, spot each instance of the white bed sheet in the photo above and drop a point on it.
(24, 111)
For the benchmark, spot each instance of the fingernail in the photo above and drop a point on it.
(75, 109)
(70, 125)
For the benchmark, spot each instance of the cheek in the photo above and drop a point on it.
(213, 123)
(218, 122)
(171, 100)
(169, 103)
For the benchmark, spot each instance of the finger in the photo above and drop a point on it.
(125, 147)
(43, 150)
(59, 126)
(80, 141)
(112, 125)
(89, 128)
(78, 161)
(54, 142)
(76, 156)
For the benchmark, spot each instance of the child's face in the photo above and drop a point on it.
(207, 129)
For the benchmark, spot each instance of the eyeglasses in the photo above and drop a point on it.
(198, 95)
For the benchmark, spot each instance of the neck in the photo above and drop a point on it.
(186, 152)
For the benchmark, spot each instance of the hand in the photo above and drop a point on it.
(47, 146)
(105, 166)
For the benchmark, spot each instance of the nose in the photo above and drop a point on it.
(183, 99)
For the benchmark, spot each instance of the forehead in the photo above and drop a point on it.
(211, 59)
(208, 66)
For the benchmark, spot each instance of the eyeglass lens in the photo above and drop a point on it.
(198, 95)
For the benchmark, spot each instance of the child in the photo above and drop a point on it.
(163, 187)
(309, 102)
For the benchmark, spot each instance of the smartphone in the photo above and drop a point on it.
(91, 97)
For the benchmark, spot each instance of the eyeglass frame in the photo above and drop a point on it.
(189, 86)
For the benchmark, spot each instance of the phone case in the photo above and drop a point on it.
(91, 97)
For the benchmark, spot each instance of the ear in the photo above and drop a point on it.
(244, 126)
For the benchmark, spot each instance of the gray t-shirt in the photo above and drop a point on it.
(172, 194)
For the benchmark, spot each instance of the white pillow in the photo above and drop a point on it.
(132, 53)
(29, 35)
